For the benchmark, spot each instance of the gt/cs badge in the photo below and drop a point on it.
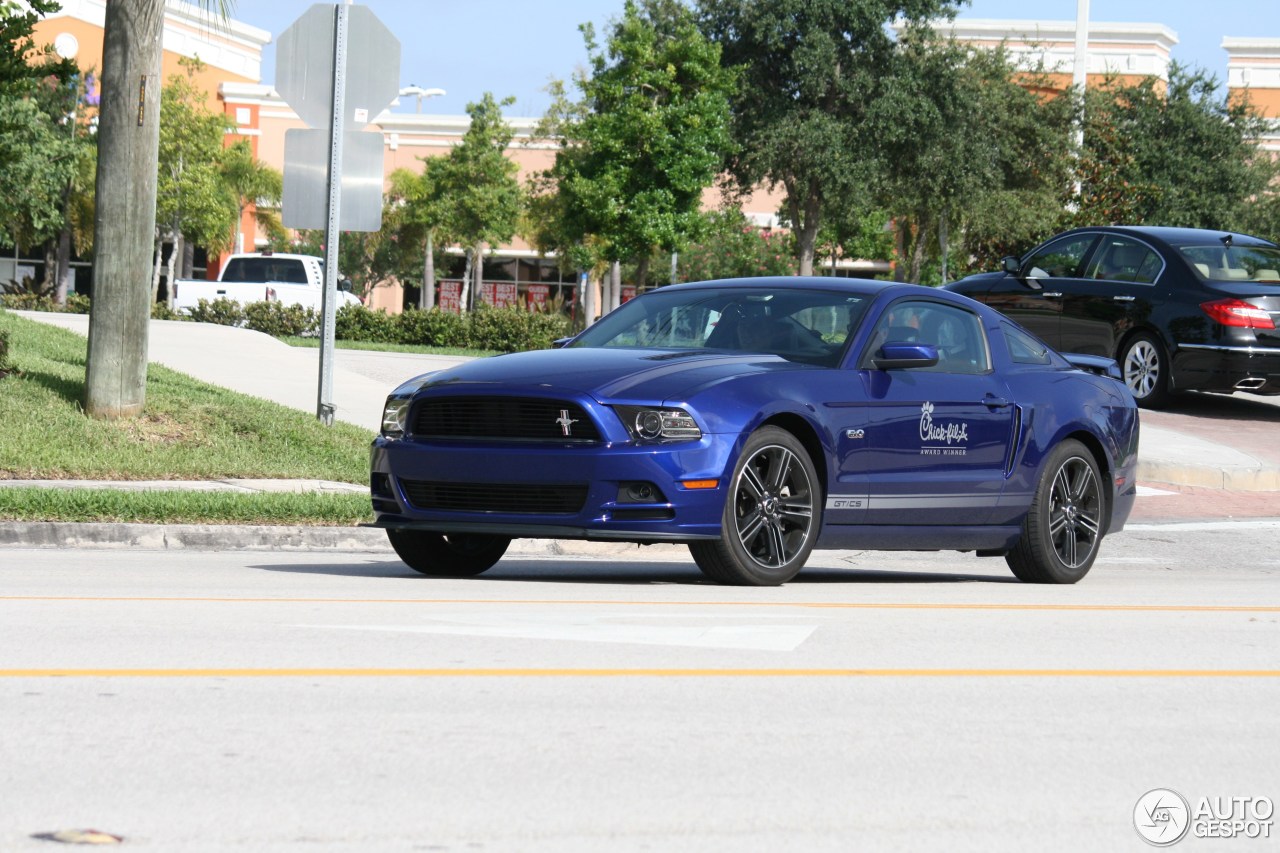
(854, 433)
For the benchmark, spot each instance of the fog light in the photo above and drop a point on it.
(640, 492)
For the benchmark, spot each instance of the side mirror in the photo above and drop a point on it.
(1011, 265)
(900, 356)
(344, 284)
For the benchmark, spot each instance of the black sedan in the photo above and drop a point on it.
(1179, 308)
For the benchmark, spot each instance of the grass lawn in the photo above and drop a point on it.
(189, 430)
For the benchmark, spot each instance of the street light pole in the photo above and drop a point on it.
(420, 93)
(1080, 79)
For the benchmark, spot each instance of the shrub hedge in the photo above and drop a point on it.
(6, 367)
(280, 320)
(501, 329)
(76, 303)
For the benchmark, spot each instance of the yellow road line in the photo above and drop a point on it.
(836, 605)
(644, 672)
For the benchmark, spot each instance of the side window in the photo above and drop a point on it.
(1025, 348)
(957, 334)
(1122, 259)
(1059, 259)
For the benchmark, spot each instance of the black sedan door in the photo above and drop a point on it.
(1034, 297)
(1116, 293)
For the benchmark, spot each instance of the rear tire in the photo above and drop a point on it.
(1063, 528)
(458, 555)
(1145, 368)
(771, 514)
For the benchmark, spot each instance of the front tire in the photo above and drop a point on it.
(1145, 368)
(448, 556)
(1064, 527)
(771, 512)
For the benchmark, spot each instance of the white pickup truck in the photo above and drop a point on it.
(266, 277)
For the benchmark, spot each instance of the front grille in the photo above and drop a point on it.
(562, 499)
(503, 418)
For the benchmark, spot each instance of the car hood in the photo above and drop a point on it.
(609, 375)
(977, 283)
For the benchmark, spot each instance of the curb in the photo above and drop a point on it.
(1231, 478)
(228, 537)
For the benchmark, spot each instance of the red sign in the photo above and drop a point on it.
(538, 294)
(451, 296)
(628, 293)
(500, 294)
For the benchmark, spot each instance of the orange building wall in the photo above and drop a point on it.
(89, 56)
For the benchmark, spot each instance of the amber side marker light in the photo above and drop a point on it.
(699, 484)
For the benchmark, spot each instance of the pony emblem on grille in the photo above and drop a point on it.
(566, 422)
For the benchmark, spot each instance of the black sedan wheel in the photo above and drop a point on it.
(451, 556)
(1062, 531)
(770, 519)
(1146, 370)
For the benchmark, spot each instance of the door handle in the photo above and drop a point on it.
(993, 402)
(1124, 298)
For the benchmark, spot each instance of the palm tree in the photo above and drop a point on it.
(253, 182)
(124, 224)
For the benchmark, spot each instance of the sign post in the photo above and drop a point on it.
(333, 177)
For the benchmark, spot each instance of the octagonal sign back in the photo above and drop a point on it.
(305, 60)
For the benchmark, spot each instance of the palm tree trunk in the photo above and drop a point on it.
(156, 266)
(171, 274)
(124, 223)
(427, 298)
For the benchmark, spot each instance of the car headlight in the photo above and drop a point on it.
(395, 415)
(395, 412)
(655, 424)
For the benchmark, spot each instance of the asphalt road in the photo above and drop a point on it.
(337, 701)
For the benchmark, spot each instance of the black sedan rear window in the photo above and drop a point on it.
(1235, 263)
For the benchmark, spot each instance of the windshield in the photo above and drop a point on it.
(1235, 263)
(809, 326)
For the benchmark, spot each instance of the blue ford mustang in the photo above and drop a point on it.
(757, 419)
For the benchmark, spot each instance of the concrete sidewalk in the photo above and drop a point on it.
(261, 366)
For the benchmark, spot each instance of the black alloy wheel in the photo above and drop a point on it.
(1064, 527)
(771, 514)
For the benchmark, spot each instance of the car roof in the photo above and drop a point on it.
(1179, 236)
(857, 286)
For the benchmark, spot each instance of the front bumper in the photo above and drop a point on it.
(477, 471)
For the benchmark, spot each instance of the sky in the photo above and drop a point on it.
(514, 47)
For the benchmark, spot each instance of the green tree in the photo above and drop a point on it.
(124, 223)
(971, 152)
(22, 61)
(195, 206)
(423, 219)
(649, 135)
(1176, 152)
(42, 161)
(733, 247)
(485, 197)
(811, 70)
(39, 160)
(252, 181)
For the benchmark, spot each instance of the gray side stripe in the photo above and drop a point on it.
(911, 501)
